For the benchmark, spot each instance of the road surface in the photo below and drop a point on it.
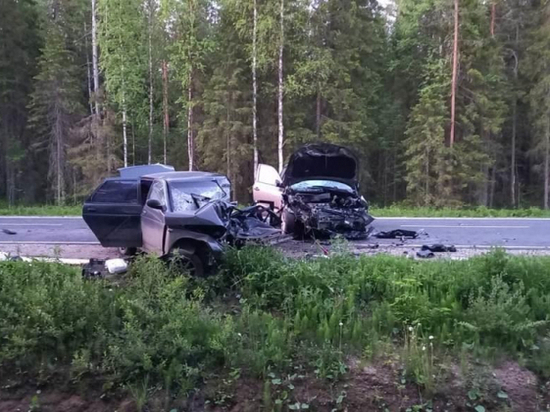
(525, 233)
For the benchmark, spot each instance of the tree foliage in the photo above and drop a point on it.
(355, 74)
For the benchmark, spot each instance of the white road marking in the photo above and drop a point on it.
(30, 224)
(468, 226)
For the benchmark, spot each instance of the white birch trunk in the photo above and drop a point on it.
(88, 70)
(454, 79)
(190, 139)
(149, 150)
(95, 63)
(166, 122)
(124, 132)
(255, 90)
(546, 163)
(281, 89)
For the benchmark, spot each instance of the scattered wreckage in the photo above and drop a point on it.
(317, 194)
(169, 213)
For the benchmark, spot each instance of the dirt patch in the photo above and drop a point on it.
(376, 386)
(56, 401)
(520, 386)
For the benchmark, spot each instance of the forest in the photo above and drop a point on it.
(445, 102)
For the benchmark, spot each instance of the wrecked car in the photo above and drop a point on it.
(317, 194)
(183, 214)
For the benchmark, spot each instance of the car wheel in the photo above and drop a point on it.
(288, 222)
(127, 251)
(186, 261)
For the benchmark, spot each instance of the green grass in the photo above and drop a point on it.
(391, 211)
(265, 316)
(402, 211)
(43, 210)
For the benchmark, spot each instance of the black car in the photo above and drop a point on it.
(317, 194)
(163, 213)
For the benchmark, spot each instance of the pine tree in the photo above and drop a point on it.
(55, 103)
(539, 97)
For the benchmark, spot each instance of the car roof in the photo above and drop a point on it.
(135, 172)
(172, 176)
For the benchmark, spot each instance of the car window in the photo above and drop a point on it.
(157, 192)
(315, 184)
(116, 191)
(186, 196)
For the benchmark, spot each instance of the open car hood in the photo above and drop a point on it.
(321, 161)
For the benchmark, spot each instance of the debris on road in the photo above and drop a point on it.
(116, 266)
(397, 234)
(425, 254)
(9, 232)
(94, 268)
(438, 247)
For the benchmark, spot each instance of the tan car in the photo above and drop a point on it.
(317, 194)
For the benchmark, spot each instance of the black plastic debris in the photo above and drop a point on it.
(425, 254)
(9, 232)
(95, 268)
(438, 247)
(397, 234)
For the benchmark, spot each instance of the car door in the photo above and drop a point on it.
(113, 213)
(266, 187)
(153, 227)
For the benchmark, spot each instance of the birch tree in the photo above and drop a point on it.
(122, 47)
(280, 89)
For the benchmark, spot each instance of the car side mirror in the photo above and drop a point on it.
(155, 204)
(278, 183)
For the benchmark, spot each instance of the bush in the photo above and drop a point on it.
(264, 313)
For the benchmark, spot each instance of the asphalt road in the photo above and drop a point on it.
(461, 232)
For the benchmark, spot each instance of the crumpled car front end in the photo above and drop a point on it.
(328, 214)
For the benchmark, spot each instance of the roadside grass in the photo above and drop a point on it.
(264, 317)
(404, 211)
(40, 210)
(390, 211)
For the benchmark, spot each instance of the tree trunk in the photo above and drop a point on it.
(88, 70)
(150, 140)
(514, 127)
(95, 63)
(166, 116)
(546, 164)
(133, 145)
(318, 114)
(124, 135)
(255, 89)
(493, 17)
(190, 137)
(454, 79)
(281, 89)
(513, 155)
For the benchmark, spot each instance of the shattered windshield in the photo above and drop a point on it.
(316, 185)
(188, 196)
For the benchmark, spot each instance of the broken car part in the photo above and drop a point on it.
(397, 234)
(425, 254)
(116, 266)
(439, 248)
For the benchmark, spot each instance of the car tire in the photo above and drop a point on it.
(189, 262)
(288, 222)
(128, 251)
